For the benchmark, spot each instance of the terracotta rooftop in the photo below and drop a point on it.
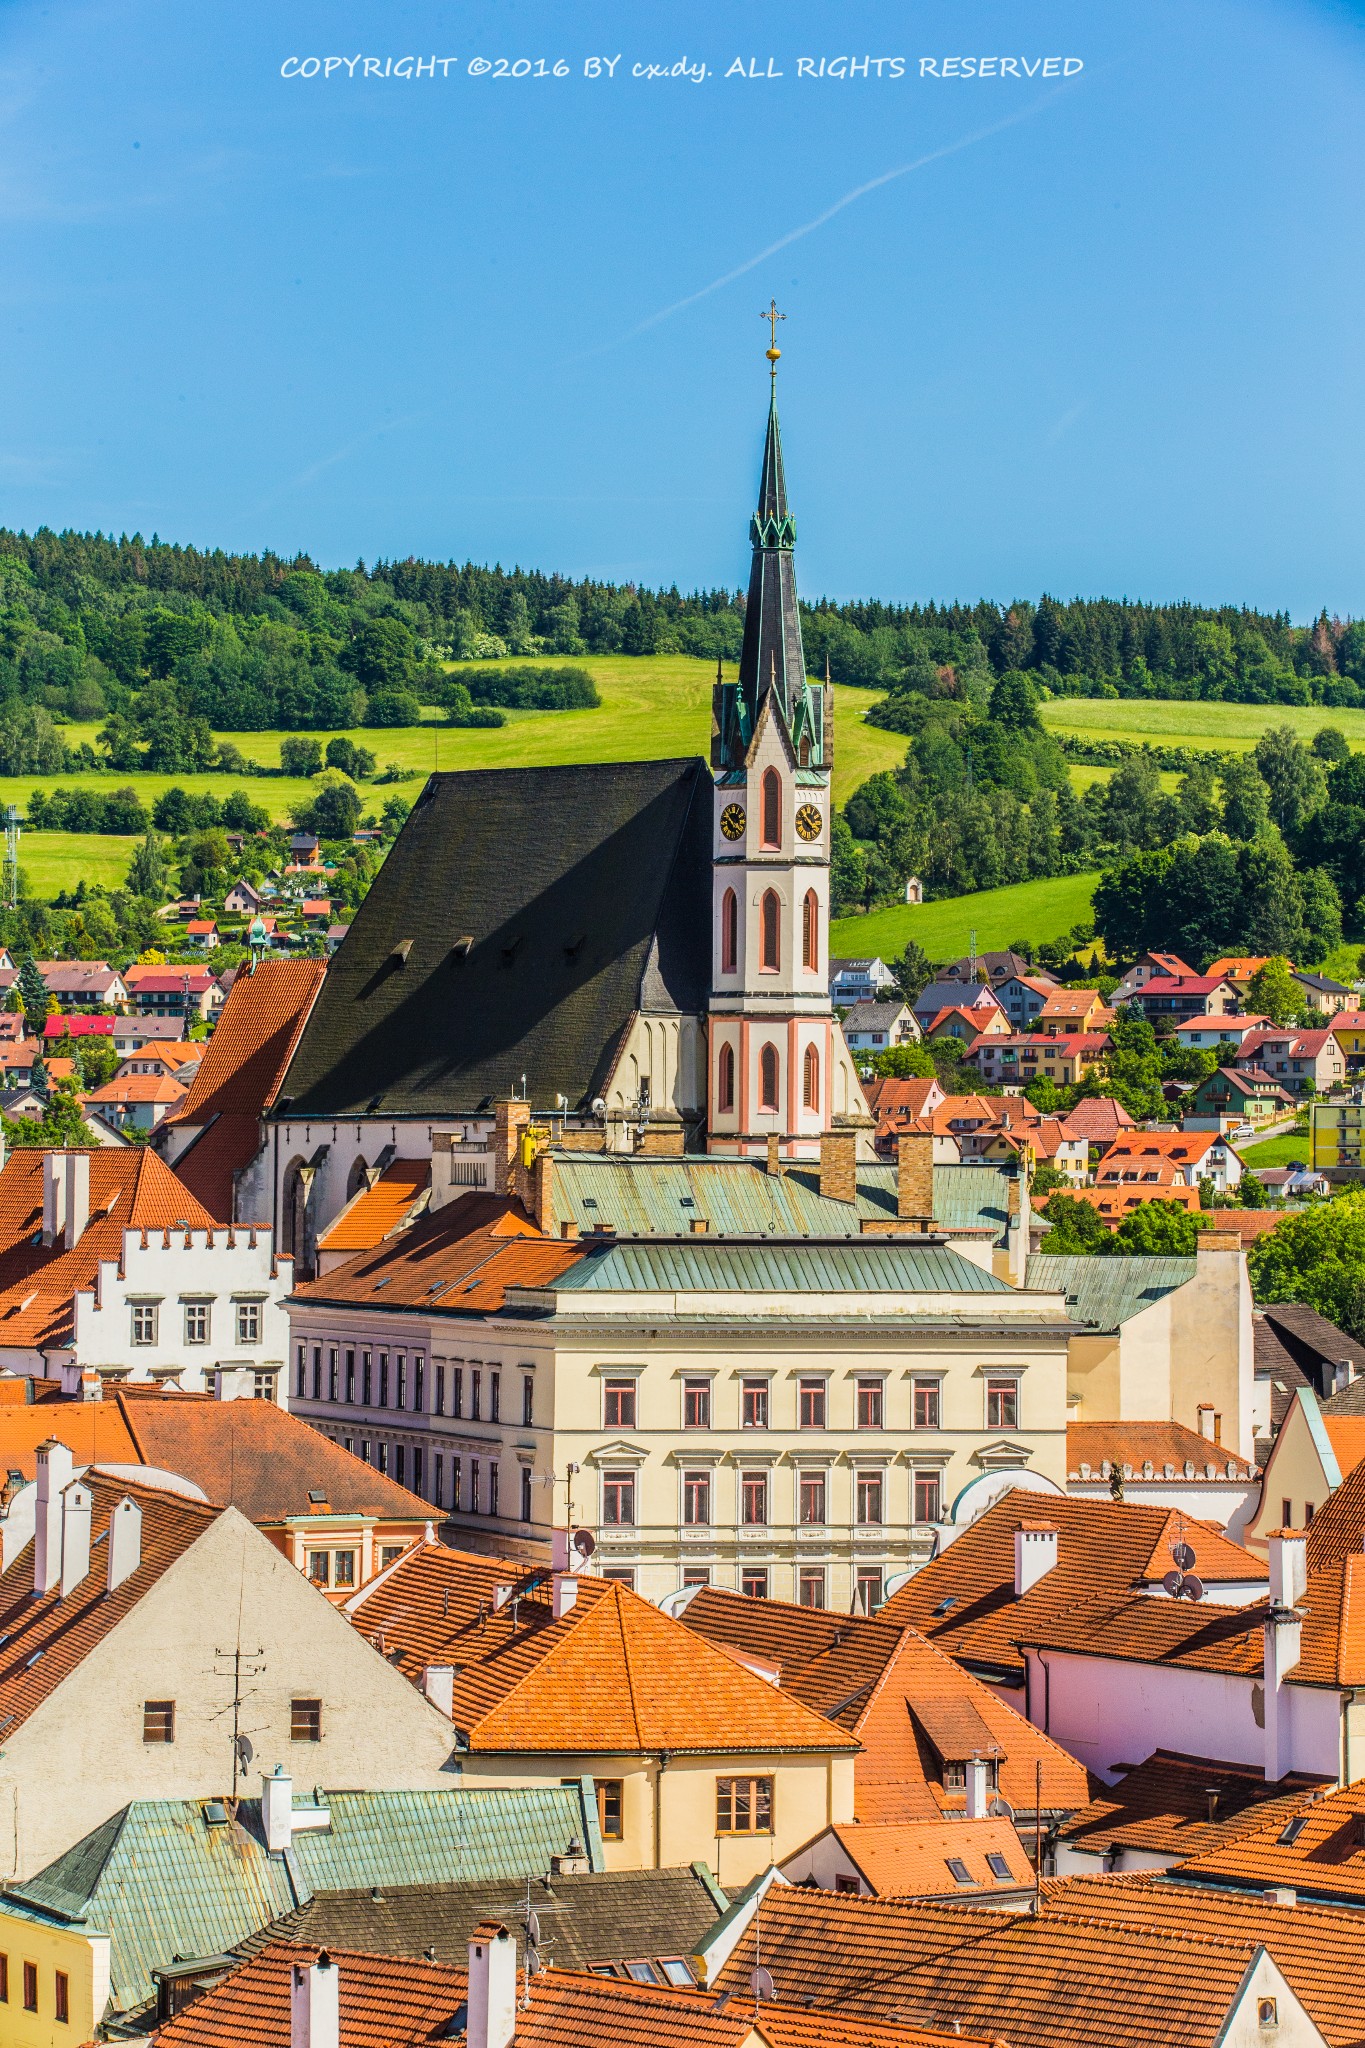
(1097, 1119)
(612, 1675)
(1337, 1530)
(1172, 1451)
(378, 1210)
(1179, 1806)
(461, 1261)
(1317, 1848)
(964, 1600)
(130, 1189)
(1346, 1434)
(139, 1088)
(914, 1858)
(911, 1707)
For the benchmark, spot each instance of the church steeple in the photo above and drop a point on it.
(772, 660)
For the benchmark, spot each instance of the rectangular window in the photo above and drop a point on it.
(619, 1404)
(474, 1494)
(400, 1461)
(305, 1720)
(381, 1456)
(4, 1979)
(440, 1390)
(343, 1568)
(753, 1413)
(364, 1450)
(456, 1484)
(30, 1987)
(869, 1497)
(697, 1499)
(1002, 1404)
(301, 1358)
(621, 1575)
(419, 1377)
(744, 1806)
(928, 1496)
(1286, 1514)
(753, 1582)
(350, 1377)
(158, 1720)
(383, 1379)
(610, 1800)
(525, 1493)
(811, 1496)
(528, 1400)
(494, 1476)
(317, 1372)
(333, 1373)
(400, 1378)
(696, 1404)
(495, 1397)
(417, 1468)
(871, 1397)
(618, 1500)
(389, 1554)
(320, 1567)
(263, 1386)
(811, 1586)
(813, 1404)
(869, 1589)
(926, 1409)
(697, 1575)
(248, 1322)
(366, 1380)
(753, 1499)
(144, 1324)
(475, 1395)
(438, 1479)
(61, 1994)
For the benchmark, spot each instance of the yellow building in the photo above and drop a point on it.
(1337, 1129)
(54, 1977)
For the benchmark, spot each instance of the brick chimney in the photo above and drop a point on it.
(540, 1185)
(839, 1165)
(509, 1121)
(915, 1178)
(492, 1997)
(774, 1163)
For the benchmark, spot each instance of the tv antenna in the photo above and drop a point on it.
(532, 1946)
(245, 1664)
(13, 828)
(1181, 1583)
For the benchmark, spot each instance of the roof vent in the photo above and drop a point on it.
(462, 947)
(401, 951)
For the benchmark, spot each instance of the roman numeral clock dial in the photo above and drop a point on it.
(808, 822)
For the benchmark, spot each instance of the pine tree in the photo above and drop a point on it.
(34, 996)
(147, 873)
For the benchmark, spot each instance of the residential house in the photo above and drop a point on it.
(1313, 1453)
(1099, 1119)
(549, 1676)
(1195, 1156)
(135, 1953)
(1126, 1183)
(75, 1026)
(995, 969)
(975, 1122)
(109, 1265)
(121, 1595)
(860, 981)
(1204, 1033)
(132, 1033)
(202, 932)
(182, 992)
(84, 984)
(1184, 995)
(1239, 968)
(1071, 1010)
(1293, 1183)
(1036, 1976)
(316, 910)
(922, 1859)
(137, 1102)
(1239, 1095)
(1014, 1061)
(305, 853)
(1048, 1143)
(243, 899)
(477, 1365)
(1295, 1347)
(953, 995)
(1173, 1810)
(966, 1025)
(892, 1099)
(19, 1059)
(874, 1027)
(1348, 1028)
(1335, 1135)
(169, 1059)
(1022, 997)
(1323, 994)
(1301, 1061)
(1160, 1340)
(1149, 967)
(216, 1139)
(335, 934)
(1310, 1854)
(1164, 1465)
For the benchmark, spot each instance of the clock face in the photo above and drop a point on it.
(809, 822)
(732, 821)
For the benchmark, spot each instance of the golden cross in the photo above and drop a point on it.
(772, 316)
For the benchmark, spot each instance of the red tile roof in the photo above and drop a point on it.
(1097, 1119)
(910, 1858)
(461, 1261)
(1135, 1445)
(377, 1211)
(611, 1675)
(1324, 1857)
(1179, 1806)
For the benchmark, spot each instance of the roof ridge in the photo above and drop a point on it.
(618, 1603)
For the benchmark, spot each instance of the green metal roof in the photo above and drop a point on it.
(658, 1197)
(1107, 1291)
(163, 1881)
(868, 1265)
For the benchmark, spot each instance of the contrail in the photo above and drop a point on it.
(859, 192)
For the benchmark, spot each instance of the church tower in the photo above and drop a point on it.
(778, 1065)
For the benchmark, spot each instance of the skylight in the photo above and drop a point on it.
(999, 1867)
(959, 1871)
(944, 1605)
(1292, 1830)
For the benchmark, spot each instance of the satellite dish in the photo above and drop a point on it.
(584, 1542)
(599, 1107)
(1182, 1556)
(533, 1929)
(1193, 1588)
(245, 1752)
(1172, 1584)
(761, 1982)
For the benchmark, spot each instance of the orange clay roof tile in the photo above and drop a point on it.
(460, 1261)
(256, 1032)
(910, 1858)
(376, 1212)
(1184, 1806)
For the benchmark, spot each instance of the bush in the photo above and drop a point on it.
(531, 689)
(393, 708)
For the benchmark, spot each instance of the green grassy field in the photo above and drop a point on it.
(54, 861)
(1030, 910)
(1082, 775)
(1229, 727)
(652, 708)
(1276, 1151)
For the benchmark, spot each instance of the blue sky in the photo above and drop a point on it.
(1106, 341)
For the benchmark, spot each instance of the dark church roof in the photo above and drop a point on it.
(521, 918)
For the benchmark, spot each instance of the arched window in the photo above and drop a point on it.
(772, 808)
(356, 1179)
(810, 932)
(767, 1078)
(770, 952)
(729, 932)
(810, 1078)
(725, 1078)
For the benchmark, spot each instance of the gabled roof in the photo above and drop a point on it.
(612, 1675)
(914, 1858)
(954, 995)
(1168, 1447)
(1180, 985)
(964, 1599)
(911, 1707)
(889, 1096)
(1106, 1292)
(522, 918)
(1097, 1118)
(1322, 1855)
(1180, 1806)
(873, 1016)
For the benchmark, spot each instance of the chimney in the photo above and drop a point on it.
(509, 1121)
(1283, 1632)
(54, 1473)
(77, 1196)
(915, 1177)
(54, 1197)
(125, 1542)
(91, 1387)
(540, 1192)
(568, 1227)
(1218, 1241)
(573, 1862)
(838, 1165)
(76, 1505)
(978, 1794)
(1035, 1555)
(1280, 1895)
(492, 1996)
(699, 1225)
(775, 1154)
(1205, 1412)
(565, 1595)
(315, 2004)
(1287, 1556)
(277, 1810)
(438, 1683)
